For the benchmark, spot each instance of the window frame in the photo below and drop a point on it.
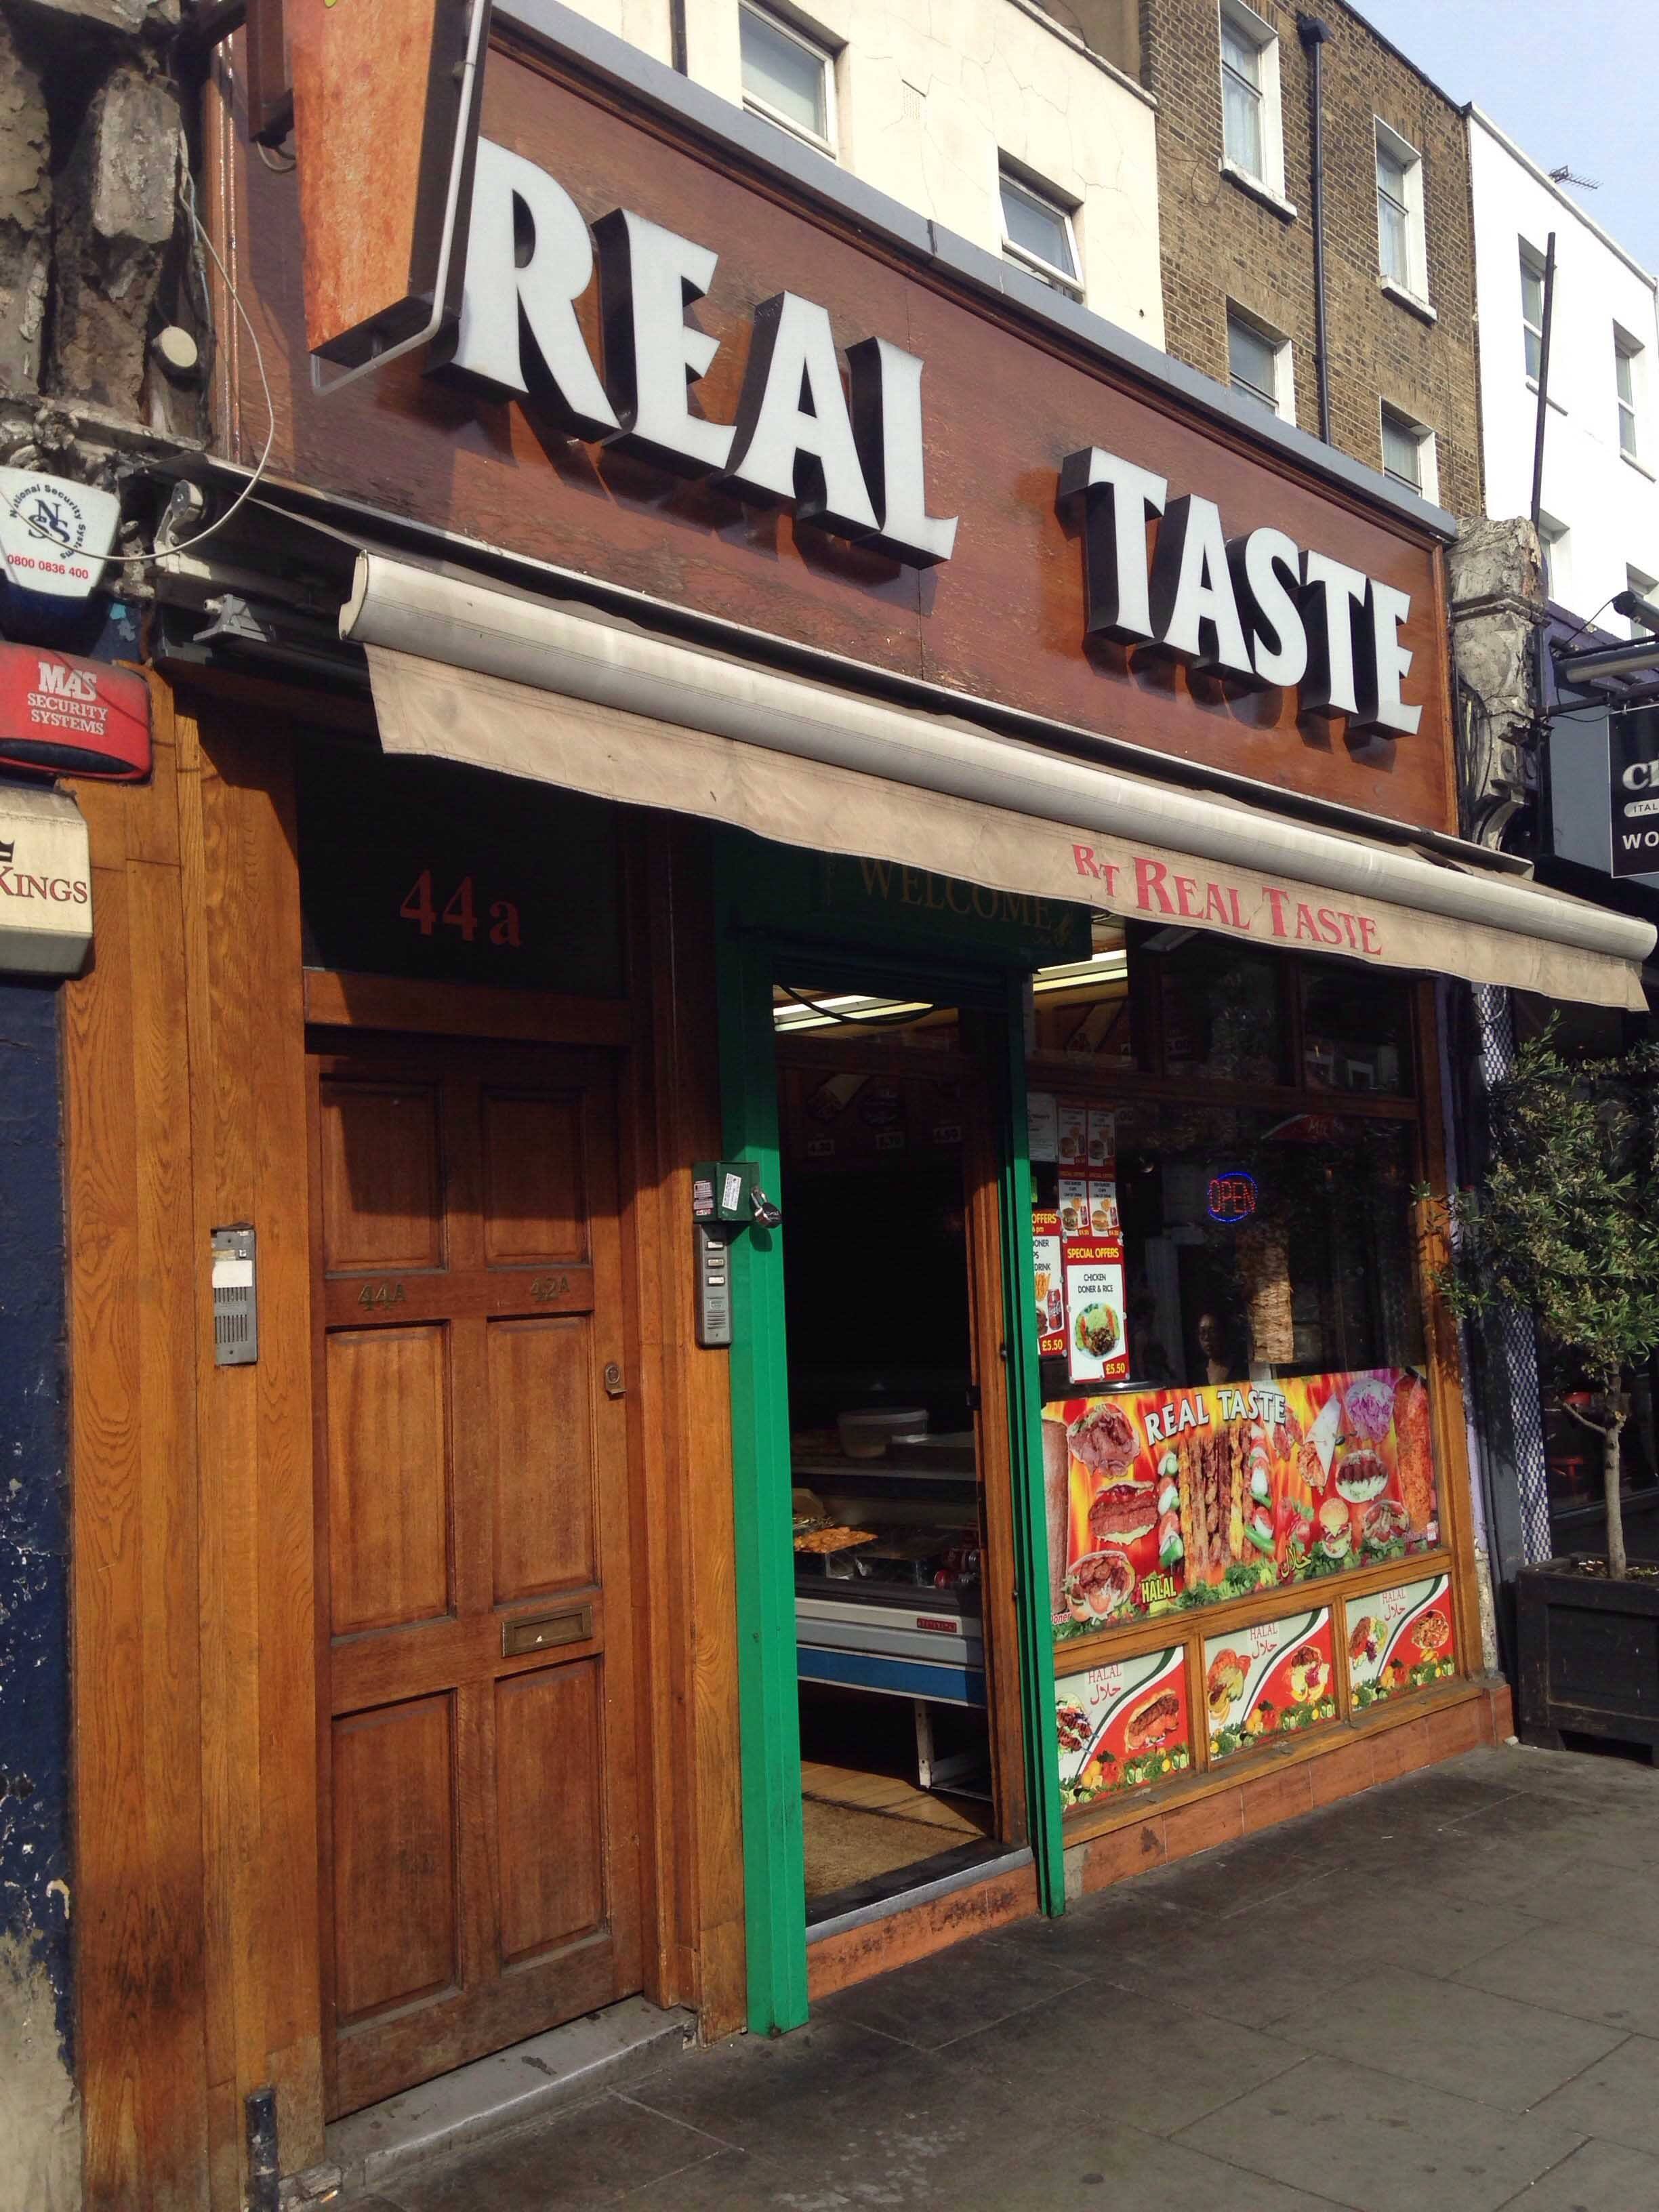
(1644, 587)
(1554, 549)
(1406, 157)
(1011, 176)
(1427, 485)
(1255, 31)
(1282, 402)
(1628, 352)
(1532, 263)
(822, 52)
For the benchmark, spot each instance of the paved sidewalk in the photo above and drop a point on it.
(1440, 1997)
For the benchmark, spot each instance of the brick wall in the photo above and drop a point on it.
(1220, 243)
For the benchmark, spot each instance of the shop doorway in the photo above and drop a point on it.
(479, 1734)
(892, 1286)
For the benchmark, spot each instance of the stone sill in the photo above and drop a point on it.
(1409, 301)
(1640, 467)
(1264, 195)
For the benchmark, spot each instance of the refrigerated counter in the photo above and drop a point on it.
(899, 1617)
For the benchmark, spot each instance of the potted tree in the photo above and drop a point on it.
(1566, 1226)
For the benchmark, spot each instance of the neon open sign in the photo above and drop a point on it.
(1232, 1197)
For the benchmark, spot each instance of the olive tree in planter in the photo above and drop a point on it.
(1566, 1226)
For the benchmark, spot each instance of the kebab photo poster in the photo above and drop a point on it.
(1163, 1499)
(1123, 1723)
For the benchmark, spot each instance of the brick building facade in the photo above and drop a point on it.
(1232, 242)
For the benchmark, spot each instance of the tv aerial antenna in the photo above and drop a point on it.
(1564, 175)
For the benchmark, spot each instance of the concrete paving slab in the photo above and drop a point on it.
(957, 1993)
(735, 2181)
(1385, 1917)
(1602, 2177)
(1489, 2046)
(1384, 2144)
(575, 2162)
(1617, 2098)
(1578, 1970)
(1185, 2063)
(549, 2073)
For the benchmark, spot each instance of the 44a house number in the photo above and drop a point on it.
(460, 912)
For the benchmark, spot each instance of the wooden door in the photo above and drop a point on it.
(480, 1828)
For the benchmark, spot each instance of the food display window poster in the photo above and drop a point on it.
(1050, 1287)
(1401, 1639)
(1071, 1134)
(1269, 1680)
(1123, 1725)
(1096, 1347)
(1176, 1499)
(1042, 1130)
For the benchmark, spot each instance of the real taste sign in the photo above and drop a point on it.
(681, 378)
(1257, 607)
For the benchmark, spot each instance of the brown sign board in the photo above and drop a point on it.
(1005, 402)
(379, 95)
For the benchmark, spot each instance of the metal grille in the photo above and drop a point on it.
(1512, 1334)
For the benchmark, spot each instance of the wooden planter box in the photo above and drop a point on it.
(1589, 1656)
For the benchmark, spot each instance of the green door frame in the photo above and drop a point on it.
(773, 1859)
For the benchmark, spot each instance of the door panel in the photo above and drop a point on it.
(394, 1862)
(389, 1485)
(473, 1477)
(380, 1178)
(547, 1759)
(535, 1203)
(541, 1380)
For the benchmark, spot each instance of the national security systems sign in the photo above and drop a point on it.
(46, 883)
(55, 537)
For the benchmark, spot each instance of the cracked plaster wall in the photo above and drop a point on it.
(89, 147)
(930, 93)
(40, 2125)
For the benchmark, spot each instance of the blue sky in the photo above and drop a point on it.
(1573, 85)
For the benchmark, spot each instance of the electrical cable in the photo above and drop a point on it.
(187, 201)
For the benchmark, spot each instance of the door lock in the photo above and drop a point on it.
(614, 1385)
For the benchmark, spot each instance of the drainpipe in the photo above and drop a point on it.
(676, 35)
(1313, 35)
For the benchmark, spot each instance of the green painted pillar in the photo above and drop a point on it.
(1036, 1633)
(774, 1875)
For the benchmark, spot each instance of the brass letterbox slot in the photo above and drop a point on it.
(539, 1631)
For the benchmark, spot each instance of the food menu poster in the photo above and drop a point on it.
(1269, 1680)
(1080, 1136)
(1050, 1287)
(1123, 1725)
(1174, 1498)
(1096, 1349)
(1400, 1639)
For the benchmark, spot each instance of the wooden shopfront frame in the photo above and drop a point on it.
(200, 1972)
(1251, 1773)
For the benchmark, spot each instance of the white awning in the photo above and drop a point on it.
(463, 672)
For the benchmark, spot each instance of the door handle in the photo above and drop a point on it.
(614, 1384)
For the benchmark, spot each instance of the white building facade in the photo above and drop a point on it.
(992, 117)
(1598, 517)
